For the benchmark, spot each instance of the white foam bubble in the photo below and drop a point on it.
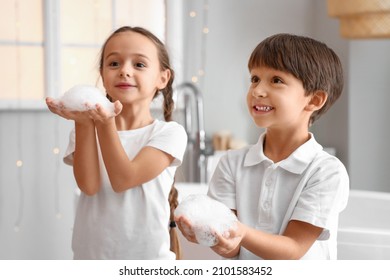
(77, 98)
(207, 216)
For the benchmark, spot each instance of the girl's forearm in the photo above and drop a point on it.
(116, 161)
(125, 173)
(86, 161)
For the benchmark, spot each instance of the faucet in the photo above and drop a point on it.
(197, 150)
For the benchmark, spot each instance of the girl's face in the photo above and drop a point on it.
(277, 99)
(131, 70)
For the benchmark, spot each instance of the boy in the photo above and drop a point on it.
(285, 190)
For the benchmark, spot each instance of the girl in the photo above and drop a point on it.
(286, 191)
(125, 164)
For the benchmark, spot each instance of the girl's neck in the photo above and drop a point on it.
(280, 145)
(133, 118)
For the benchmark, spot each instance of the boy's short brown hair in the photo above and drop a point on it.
(311, 61)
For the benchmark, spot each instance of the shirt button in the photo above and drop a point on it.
(266, 205)
(268, 183)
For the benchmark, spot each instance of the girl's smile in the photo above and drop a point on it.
(125, 85)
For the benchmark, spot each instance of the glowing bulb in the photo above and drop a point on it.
(56, 151)
(206, 30)
(194, 79)
(19, 163)
(192, 14)
(201, 72)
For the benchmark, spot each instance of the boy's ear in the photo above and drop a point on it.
(317, 100)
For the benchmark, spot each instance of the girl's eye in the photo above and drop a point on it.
(254, 79)
(140, 65)
(114, 64)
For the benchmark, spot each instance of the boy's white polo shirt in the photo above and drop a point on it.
(310, 186)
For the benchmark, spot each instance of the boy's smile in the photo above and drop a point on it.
(262, 108)
(277, 99)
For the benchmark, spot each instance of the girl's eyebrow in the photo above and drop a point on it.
(135, 55)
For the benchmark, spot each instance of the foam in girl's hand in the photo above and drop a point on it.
(83, 98)
(207, 216)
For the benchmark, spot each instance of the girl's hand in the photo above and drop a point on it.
(58, 109)
(185, 227)
(97, 113)
(101, 115)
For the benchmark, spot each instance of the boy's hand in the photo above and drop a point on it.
(185, 227)
(228, 243)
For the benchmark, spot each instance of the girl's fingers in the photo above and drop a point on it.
(117, 107)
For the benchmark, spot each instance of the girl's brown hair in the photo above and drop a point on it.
(311, 61)
(175, 244)
(168, 106)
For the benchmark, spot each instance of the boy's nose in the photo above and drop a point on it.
(259, 91)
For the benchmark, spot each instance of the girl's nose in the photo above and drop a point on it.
(126, 71)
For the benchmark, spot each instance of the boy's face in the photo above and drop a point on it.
(276, 100)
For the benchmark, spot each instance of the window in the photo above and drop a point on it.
(48, 46)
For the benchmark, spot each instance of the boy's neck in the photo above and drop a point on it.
(278, 145)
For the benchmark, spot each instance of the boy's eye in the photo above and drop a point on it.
(277, 80)
(254, 79)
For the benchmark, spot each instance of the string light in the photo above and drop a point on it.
(19, 162)
(199, 78)
(56, 152)
(205, 31)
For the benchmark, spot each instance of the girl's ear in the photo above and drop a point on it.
(317, 100)
(101, 75)
(164, 78)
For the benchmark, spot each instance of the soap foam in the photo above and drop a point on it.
(83, 98)
(207, 216)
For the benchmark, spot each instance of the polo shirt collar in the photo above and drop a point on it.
(297, 162)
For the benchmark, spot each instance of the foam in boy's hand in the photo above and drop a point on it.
(83, 98)
(207, 216)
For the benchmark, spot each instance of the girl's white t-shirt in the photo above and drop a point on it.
(132, 224)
